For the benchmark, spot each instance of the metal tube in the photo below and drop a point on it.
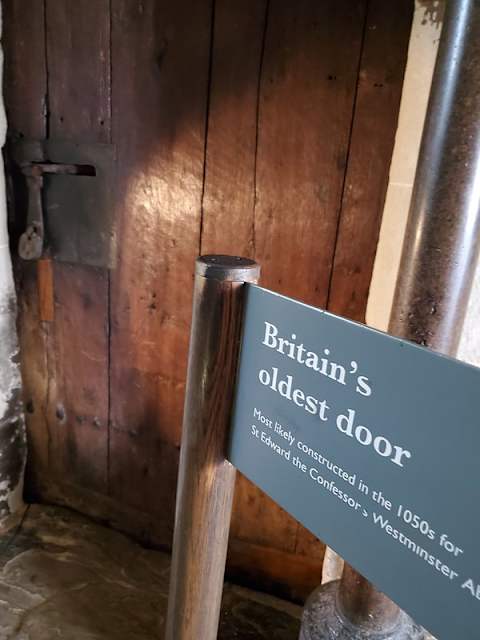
(441, 244)
(206, 480)
(438, 263)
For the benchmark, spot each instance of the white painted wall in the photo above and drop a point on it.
(12, 422)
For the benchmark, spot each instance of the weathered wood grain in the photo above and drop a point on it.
(379, 90)
(290, 575)
(305, 109)
(297, 148)
(229, 190)
(25, 71)
(160, 56)
(25, 87)
(228, 210)
(78, 58)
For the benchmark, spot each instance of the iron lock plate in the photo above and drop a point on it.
(78, 209)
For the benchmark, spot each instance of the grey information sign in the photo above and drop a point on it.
(371, 442)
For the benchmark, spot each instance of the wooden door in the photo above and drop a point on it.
(255, 127)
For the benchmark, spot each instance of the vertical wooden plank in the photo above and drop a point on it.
(373, 135)
(280, 200)
(229, 193)
(310, 72)
(25, 78)
(78, 58)
(228, 216)
(278, 135)
(161, 53)
(305, 112)
(228, 208)
(25, 89)
(80, 440)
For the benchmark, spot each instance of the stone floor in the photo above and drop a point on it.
(64, 577)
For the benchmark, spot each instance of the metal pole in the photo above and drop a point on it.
(441, 245)
(206, 480)
(438, 263)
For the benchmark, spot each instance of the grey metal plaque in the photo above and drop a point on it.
(371, 442)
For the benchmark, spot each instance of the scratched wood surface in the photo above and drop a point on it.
(372, 138)
(25, 81)
(159, 120)
(230, 165)
(306, 100)
(240, 127)
(78, 47)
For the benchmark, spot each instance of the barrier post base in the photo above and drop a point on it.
(322, 620)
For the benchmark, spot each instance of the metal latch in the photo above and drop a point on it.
(30, 245)
(63, 192)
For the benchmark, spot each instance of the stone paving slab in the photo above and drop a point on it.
(65, 577)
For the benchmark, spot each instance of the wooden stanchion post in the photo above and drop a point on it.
(206, 480)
